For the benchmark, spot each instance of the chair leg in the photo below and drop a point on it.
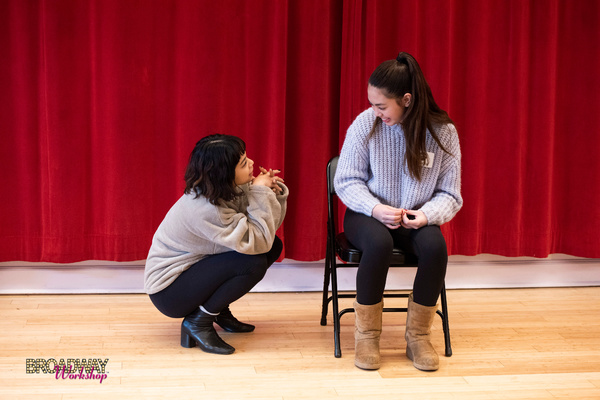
(325, 305)
(445, 323)
(336, 311)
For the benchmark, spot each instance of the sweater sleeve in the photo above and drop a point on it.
(252, 232)
(447, 199)
(282, 199)
(353, 169)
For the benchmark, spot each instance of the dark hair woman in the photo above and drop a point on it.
(399, 175)
(216, 242)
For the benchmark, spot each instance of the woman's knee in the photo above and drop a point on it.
(376, 249)
(256, 266)
(367, 234)
(430, 242)
(275, 251)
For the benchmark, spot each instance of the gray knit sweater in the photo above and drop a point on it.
(373, 171)
(195, 228)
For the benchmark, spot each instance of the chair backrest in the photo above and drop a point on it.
(331, 168)
(331, 222)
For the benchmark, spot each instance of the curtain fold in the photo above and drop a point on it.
(103, 101)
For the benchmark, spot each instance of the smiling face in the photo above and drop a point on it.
(243, 170)
(389, 110)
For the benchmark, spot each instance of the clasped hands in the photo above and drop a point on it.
(269, 179)
(393, 217)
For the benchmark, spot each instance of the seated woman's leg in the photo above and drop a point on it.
(430, 246)
(374, 240)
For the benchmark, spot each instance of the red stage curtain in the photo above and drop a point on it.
(103, 100)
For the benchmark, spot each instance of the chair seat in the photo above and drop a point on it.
(350, 254)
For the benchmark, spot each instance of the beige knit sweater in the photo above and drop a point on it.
(195, 228)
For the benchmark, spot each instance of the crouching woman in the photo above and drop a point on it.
(216, 242)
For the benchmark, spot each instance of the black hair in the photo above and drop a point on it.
(211, 168)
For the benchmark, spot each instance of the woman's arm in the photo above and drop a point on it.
(353, 170)
(252, 232)
(447, 199)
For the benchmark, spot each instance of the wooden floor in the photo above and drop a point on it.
(507, 343)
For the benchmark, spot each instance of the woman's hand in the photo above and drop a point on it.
(417, 222)
(391, 217)
(269, 179)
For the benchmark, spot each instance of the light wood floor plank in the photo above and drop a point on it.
(507, 344)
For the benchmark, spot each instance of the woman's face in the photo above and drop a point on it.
(243, 170)
(387, 109)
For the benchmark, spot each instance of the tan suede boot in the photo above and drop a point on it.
(366, 335)
(418, 331)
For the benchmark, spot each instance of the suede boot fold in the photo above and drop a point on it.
(418, 333)
(228, 322)
(367, 332)
(197, 329)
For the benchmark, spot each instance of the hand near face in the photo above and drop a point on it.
(269, 178)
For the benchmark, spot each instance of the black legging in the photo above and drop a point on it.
(215, 282)
(376, 241)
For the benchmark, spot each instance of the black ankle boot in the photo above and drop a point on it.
(197, 329)
(227, 321)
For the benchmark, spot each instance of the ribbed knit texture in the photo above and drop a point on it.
(373, 171)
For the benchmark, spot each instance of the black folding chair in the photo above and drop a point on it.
(339, 246)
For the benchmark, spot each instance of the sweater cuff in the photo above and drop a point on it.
(368, 207)
(433, 217)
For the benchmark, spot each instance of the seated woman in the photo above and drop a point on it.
(216, 242)
(399, 174)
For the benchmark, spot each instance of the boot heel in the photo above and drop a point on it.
(197, 330)
(187, 341)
